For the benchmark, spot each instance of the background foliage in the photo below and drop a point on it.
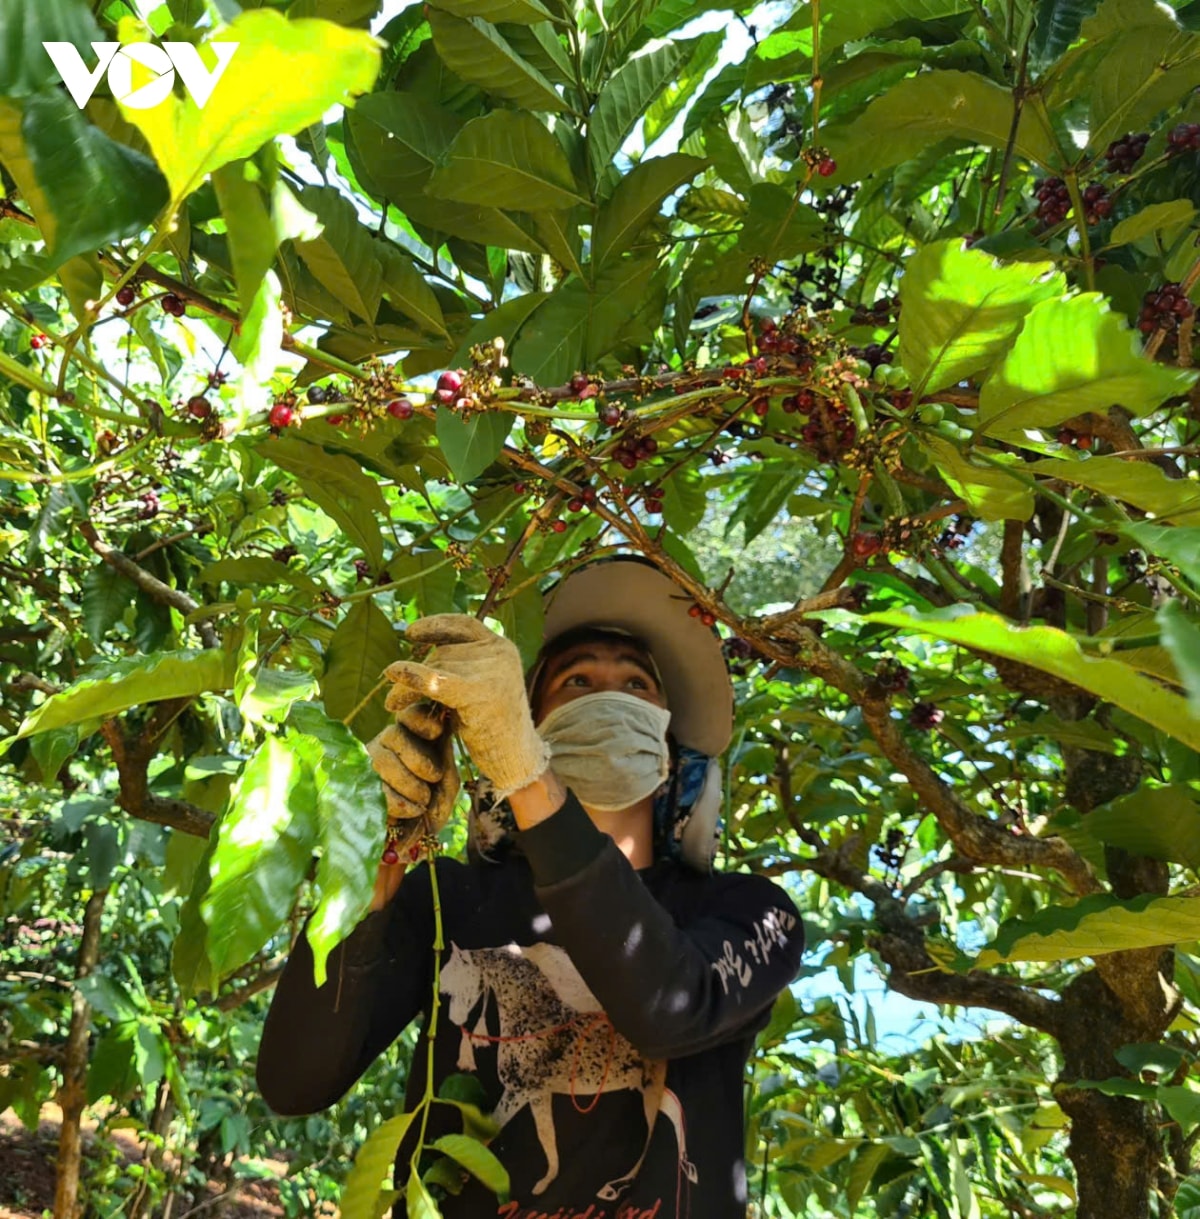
(869, 321)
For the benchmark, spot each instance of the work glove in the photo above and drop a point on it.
(477, 674)
(415, 759)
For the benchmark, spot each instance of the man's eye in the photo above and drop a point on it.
(639, 683)
(576, 679)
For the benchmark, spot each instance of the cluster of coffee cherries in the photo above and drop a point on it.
(1053, 200)
(706, 616)
(1124, 153)
(38, 341)
(1183, 137)
(772, 340)
(282, 554)
(1097, 205)
(172, 304)
(738, 653)
(1164, 308)
(630, 452)
(830, 430)
(1075, 440)
(891, 677)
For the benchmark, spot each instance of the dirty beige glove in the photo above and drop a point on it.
(415, 759)
(477, 674)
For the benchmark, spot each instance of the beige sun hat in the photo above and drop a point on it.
(632, 595)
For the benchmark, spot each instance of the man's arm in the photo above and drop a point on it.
(317, 1042)
(670, 990)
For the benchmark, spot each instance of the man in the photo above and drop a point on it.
(600, 982)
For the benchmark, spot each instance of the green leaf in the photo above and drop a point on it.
(51, 749)
(1058, 25)
(477, 1159)
(264, 844)
(1181, 636)
(626, 97)
(509, 158)
(479, 54)
(374, 1163)
(106, 596)
(363, 645)
(252, 240)
(636, 201)
(990, 494)
(960, 310)
(122, 684)
(1093, 927)
(58, 158)
(428, 578)
(24, 65)
(190, 964)
(684, 500)
(576, 325)
(926, 109)
(406, 289)
(282, 78)
(344, 258)
(257, 569)
(338, 486)
(1139, 483)
(1176, 545)
(418, 1200)
(1158, 822)
(764, 496)
(524, 618)
(1053, 651)
(866, 1163)
(776, 227)
(1074, 354)
(351, 815)
(471, 445)
(83, 280)
(1153, 219)
(271, 692)
(503, 322)
(522, 12)
(673, 100)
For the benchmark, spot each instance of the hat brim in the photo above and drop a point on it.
(633, 596)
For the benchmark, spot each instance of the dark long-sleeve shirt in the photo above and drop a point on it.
(607, 1013)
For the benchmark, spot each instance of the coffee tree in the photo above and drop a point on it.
(871, 322)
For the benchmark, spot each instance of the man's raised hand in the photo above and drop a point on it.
(477, 674)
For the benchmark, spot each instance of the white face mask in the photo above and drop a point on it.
(609, 748)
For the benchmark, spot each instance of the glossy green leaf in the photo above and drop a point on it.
(471, 445)
(1177, 545)
(637, 200)
(926, 109)
(1058, 25)
(51, 749)
(106, 596)
(1181, 637)
(273, 691)
(477, 52)
(555, 232)
(626, 97)
(25, 67)
(961, 310)
(477, 1159)
(990, 494)
(83, 281)
(523, 12)
(1158, 822)
(419, 1201)
(576, 325)
(673, 100)
(1094, 926)
(427, 577)
(1053, 651)
(351, 816)
(257, 569)
(503, 322)
(121, 684)
(58, 158)
(776, 227)
(510, 159)
(190, 964)
(1074, 354)
(363, 645)
(400, 138)
(372, 1166)
(1139, 483)
(284, 76)
(263, 848)
(406, 289)
(338, 486)
(252, 240)
(1153, 219)
(344, 257)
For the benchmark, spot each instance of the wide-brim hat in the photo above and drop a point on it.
(631, 595)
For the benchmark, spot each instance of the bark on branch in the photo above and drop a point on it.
(149, 584)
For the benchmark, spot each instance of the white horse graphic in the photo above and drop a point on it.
(553, 1038)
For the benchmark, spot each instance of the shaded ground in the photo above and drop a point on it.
(27, 1172)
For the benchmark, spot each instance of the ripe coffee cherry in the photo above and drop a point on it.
(609, 413)
(173, 305)
(588, 495)
(578, 383)
(1185, 137)
(335, 420)
(317, 394)
(281, 415)
(1164, 308)
(646, 447)
(626, 458)
(39, 341)
(199, 407)
(149, 506)
(400, 408)
(575, 505)
(1054, 201)
(1097, 205)
(708, 619)
(217, 379)
(126, 295)
(925, 716)
(559, 526)
(448, 385)
(863, 545)
(761, 407)
(362, 569)
(519, 488)
(827, 167)
(1123, 154)
(694, 611)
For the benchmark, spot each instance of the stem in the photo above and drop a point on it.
(1085, 245)
(435, 1005)
(383, 681)
(816, 81)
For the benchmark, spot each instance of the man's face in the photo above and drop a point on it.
(592, 667)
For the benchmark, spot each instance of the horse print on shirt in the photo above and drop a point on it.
(553, 1037)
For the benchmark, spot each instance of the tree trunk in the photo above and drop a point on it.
(72, 1091)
